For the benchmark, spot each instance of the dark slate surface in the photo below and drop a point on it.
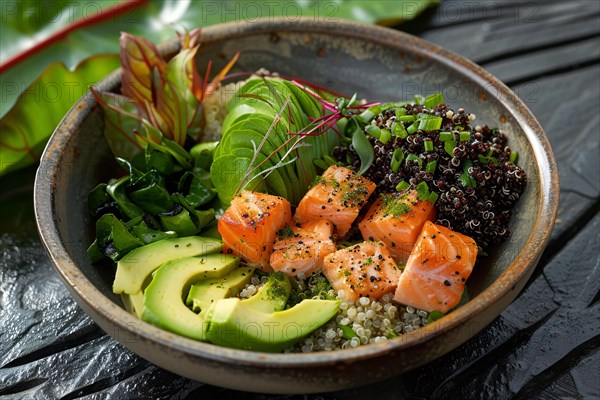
(543, 346)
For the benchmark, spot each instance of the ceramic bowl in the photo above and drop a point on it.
(377, 63)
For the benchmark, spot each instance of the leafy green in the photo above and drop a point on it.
(166, 97)
(363, 149)
(26, 128)
(113, 239)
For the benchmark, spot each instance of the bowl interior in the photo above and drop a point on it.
(373, 62)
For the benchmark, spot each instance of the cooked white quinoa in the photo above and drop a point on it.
(372, 321)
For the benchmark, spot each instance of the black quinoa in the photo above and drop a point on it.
(481, 209)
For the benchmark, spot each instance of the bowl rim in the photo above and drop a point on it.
(521, 267)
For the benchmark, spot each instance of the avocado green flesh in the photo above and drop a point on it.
(137, 265)
(163, 298)
(272, 296)
(134, 303)
(231, 323)
(204, 293)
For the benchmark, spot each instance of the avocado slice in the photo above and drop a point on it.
(232, 323)
(134, 303)
(272, 296)
(206, 292)
(138, 264)
(163, 298)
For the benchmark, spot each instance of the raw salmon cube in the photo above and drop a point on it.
(363, 270)
(250, 224)
(337, 196)
(300, 249)
(435, 274)
(396, 220)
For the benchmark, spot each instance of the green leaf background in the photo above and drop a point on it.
(31, 104)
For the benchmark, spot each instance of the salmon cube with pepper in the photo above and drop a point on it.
(300, 249)
(436, 271)
(362, 270)
(396, 220)
(250, 224)
(337, 196)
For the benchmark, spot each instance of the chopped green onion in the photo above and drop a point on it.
(414, 157)
(400, 112)
(379, 108)
(459, 127)
(422, 191)
(373, 130)
(446, 136)
(385, 136)
(419, 99)
(398, 129)
(449, 147)
(434, 100)
(366, 116)
(433, 196)
(430, 167)
(403, 185)
(397, 159)
(464, 136)
(428, 144)
(413, 128)
(513, 156)
(406, 118)
(430, 124)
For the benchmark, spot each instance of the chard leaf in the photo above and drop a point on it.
(159, 160)
(149, 235)
(120, 117)
(116, 190)
(174, 98)
(198, 186)
(149, 193)
(141, 63)
(184, 219)
(113, 238)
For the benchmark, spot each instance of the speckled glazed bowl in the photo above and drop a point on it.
(379, 64)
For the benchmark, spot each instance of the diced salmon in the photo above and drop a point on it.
(435, 274)
(396, 220)
(300, 249)
(250, 225)
(337, 196)
(362, 270)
